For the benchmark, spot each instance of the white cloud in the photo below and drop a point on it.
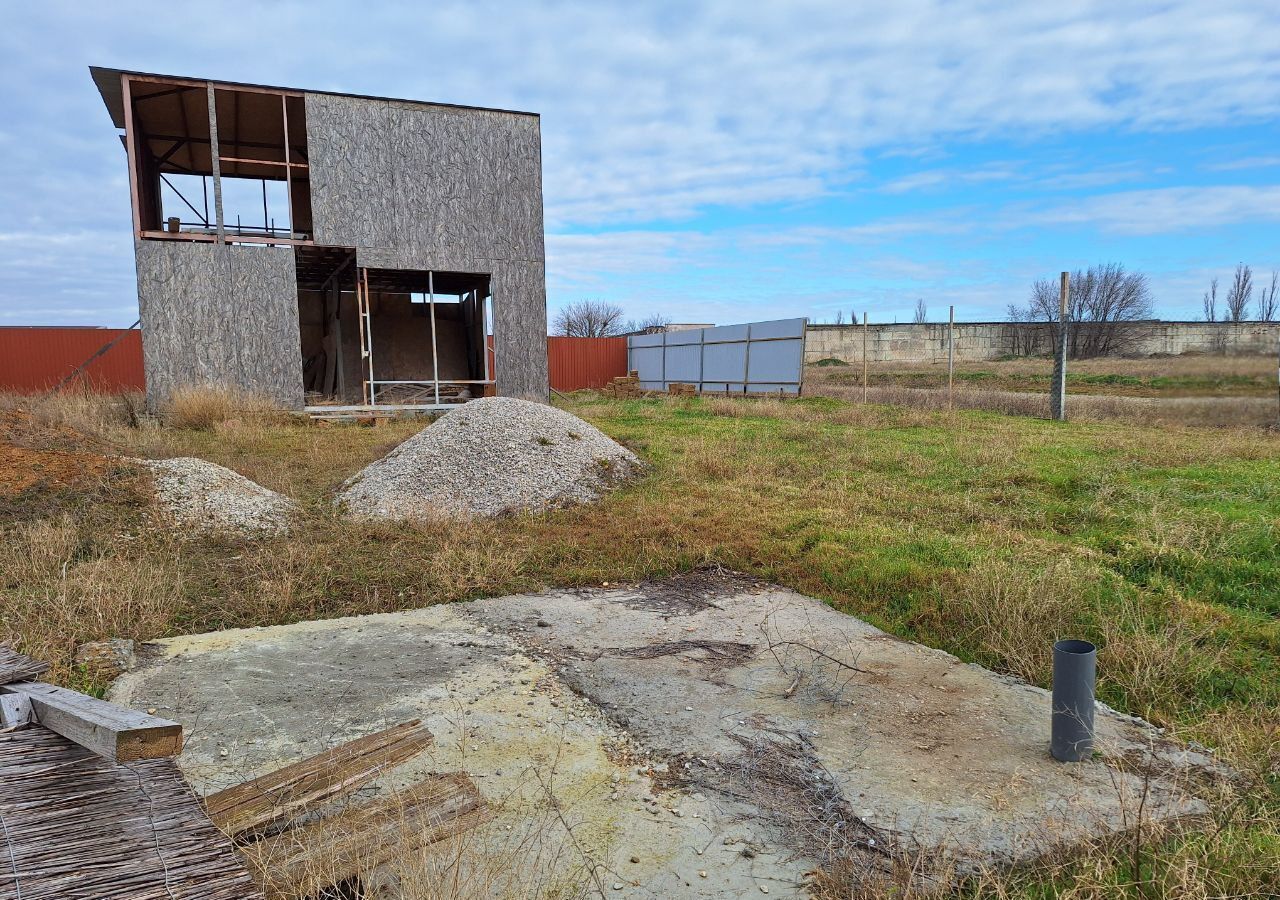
(1249, 162)
(1159, 211)
(651, 112)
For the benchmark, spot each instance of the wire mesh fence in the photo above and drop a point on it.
(1009, 367)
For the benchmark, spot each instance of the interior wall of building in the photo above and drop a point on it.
(402, 342)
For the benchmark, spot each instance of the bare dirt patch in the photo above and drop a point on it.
(32, 452)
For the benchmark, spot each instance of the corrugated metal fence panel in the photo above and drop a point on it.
(758, 357)
(35, 358)
(577, 363)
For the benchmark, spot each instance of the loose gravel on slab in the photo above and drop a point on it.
(488, 458)
(208, 497)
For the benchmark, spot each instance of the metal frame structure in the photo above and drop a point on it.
(371, 383)
(216, 230)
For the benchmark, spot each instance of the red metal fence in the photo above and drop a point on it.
(577, 363)
(35, 359)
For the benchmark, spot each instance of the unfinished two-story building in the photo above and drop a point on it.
(330, 249)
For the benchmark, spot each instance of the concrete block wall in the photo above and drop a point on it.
(979, 341)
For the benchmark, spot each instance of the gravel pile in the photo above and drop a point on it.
(207, 497)
(490, 457)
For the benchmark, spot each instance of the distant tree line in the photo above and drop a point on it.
(1238, 301)
(596, 318)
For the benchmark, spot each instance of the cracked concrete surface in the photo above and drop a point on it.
(726, 736)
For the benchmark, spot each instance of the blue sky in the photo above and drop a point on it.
(725, 161)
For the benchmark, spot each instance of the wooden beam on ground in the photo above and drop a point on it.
(304, 861)
(285, 792)
(15, 666)
(111, 731)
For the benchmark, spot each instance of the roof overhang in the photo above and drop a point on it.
(108, 82)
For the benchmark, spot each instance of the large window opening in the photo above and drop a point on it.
(247, 161)
(383, 337)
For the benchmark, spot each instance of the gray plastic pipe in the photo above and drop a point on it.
(1075, 667)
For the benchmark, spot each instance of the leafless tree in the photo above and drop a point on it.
(1240, 294)
(588, 318)
(650, 324)
(839, 317)
(1210, 302)
(1109, 304)
(1269, 301)
(922, 312)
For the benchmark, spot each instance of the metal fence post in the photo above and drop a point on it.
(951, 358)
(864, 357)
(1058, 400)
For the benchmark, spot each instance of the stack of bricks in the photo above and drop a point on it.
(625, 385)
(681, 388)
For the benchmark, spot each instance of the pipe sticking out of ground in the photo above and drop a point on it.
(1075, 666)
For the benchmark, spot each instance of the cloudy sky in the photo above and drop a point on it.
(724, 161)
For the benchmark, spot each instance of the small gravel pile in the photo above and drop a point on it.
(490, 457)
(208, 497)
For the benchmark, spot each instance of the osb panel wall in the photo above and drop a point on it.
(520, 339)
(427, 187)
(219, 314)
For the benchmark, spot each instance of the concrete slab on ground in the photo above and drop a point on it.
(704, 736)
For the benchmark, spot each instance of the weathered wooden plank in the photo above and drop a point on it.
(111, 731)
(306, 860)
(15, 666)
(285, 792)
(15, 709)
(79, 827)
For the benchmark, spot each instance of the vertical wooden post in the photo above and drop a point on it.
(435, 355)
(288, 169)
(951, 358)
(1058, 400)
(215, 150)
(372, 387)
(131, 152)
(864, 357)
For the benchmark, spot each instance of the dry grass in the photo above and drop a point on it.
(1195, 411)
(1201, 366)
(983, 535)
(1155, 656)
(203, 407)
(87, 412)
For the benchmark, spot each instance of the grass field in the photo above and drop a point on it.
(982, 534)
(1153, 376)
(1194, 390)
